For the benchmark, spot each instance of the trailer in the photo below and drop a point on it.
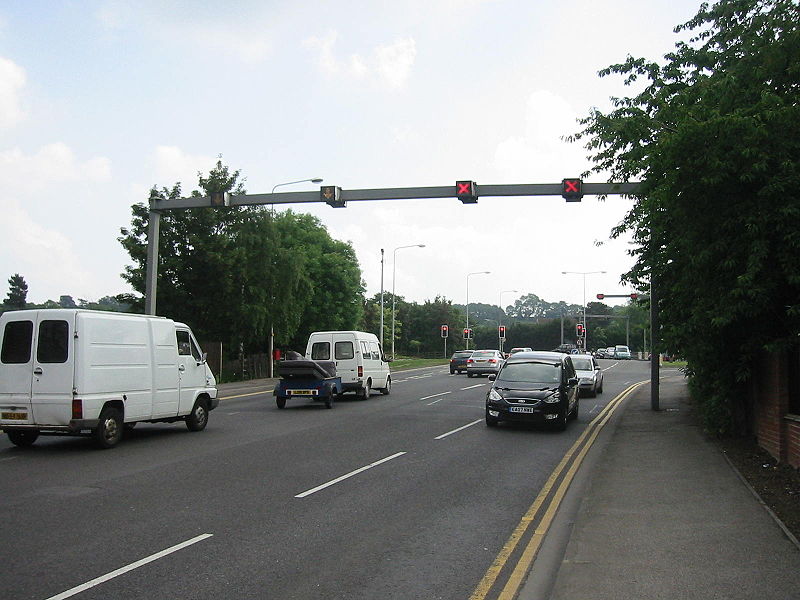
(310, 379)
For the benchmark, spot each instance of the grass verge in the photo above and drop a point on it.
(403, 363)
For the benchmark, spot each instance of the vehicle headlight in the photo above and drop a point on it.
(495, 395)
(551, 399)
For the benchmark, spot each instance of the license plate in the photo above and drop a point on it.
(14, 416)
(522, 409)
(302, 392)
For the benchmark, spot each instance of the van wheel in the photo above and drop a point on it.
(280, 401)
(388, 389)
(23, 439)
(366, 390)
(198, 418)
(109, 430)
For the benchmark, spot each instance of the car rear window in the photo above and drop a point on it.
(17, 342)
(481, 353)
(582, 364)
(462, 354)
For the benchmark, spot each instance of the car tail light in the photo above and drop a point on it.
(469, 360)
(492, 360)
(360, 371)
(77, 408)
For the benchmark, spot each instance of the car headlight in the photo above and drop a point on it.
(494, 395)
(553, 399)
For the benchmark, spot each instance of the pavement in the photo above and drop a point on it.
(657, 511)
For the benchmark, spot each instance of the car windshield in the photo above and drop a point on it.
(582, 364)
(530, 372)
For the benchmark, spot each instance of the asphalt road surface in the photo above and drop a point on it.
(402, 496)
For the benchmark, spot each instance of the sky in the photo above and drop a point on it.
(101, 100)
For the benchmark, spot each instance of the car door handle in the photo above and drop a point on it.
(38, 371)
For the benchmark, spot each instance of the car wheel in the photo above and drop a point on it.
(23, 439)
(452, 371)
(560, 423)
(109, 429)
(280, 401)
(600, 389)
(388, 389)
(491, 421)
(574, 414)
(198, 418)
(469, 374)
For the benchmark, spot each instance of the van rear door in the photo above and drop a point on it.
(16, 370)
(53, 367)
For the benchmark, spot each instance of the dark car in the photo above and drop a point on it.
(458, 362)
(538, 387)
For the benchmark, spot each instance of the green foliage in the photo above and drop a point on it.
(17, 293)
(235, 273)
(714, 135)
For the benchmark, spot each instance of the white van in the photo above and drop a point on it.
(360, 362)
(74, 372)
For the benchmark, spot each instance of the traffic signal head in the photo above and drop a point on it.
(634, 296)
(580, 329)
(467, 192)
(467, 334)
(600, 296)
(572, 189)
(332, 195)
(502, 330)
(445, 331)
(220, 199)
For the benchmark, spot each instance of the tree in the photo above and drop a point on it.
(714, 137)
(17, 293)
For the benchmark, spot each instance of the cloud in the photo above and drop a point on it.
(12, 80)
(53, 163)
(34, 249)
(173, 165)
(390, 64)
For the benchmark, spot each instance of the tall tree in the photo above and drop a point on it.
(714, 136)
(17, 293)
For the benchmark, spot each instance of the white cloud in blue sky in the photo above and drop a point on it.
(101, 100)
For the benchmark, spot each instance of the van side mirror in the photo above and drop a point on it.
(203, 359)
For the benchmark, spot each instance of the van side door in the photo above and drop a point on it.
(191, 369)
(53, 367)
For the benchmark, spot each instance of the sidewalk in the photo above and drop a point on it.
(661, 514)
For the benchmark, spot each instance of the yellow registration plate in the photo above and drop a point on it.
(302, 392)
(14, 416)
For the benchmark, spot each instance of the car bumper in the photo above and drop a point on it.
(541, 413)
(482, 370)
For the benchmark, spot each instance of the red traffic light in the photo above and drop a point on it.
(634, 296)
(579, 329)
(502, 331)
(572, 189)
(467, 334)
(600, 296)
(445, 331)
(467, 192)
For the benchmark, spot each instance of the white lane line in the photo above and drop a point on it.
(434, 395)
(444, 435)
(473, 386)
(343, 477)
(103, 578)
(594, 408)
(9, 458)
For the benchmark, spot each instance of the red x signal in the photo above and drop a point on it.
(572, 189)
(466, 192)
(464, 188)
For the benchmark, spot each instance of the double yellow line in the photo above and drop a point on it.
(578, 450)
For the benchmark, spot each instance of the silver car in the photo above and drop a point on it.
(484, 362)
(590, 375)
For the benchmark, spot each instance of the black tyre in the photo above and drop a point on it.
(198, 418)
(560, 423)
(23, 439)
(469, 374)
(491, 421)
(600, 389)
(452, 371)
(280, 401)
(109, 430)
(388, 389)
(574, 414)
(366, 390)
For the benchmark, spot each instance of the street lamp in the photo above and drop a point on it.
(271, 326)
(500, 319)
(585, 329)
(394, 272)
(468, 276)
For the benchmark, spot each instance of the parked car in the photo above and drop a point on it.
(458, 362)
(484, 362)
(622, 353)
(590, 375)
(539, 387)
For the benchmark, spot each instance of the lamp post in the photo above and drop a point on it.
(585, 329)
(500, 319)
(381, 334)
(468, 276)
(394, 272)
(271, 325)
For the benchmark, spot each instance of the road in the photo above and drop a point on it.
(402, 496)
